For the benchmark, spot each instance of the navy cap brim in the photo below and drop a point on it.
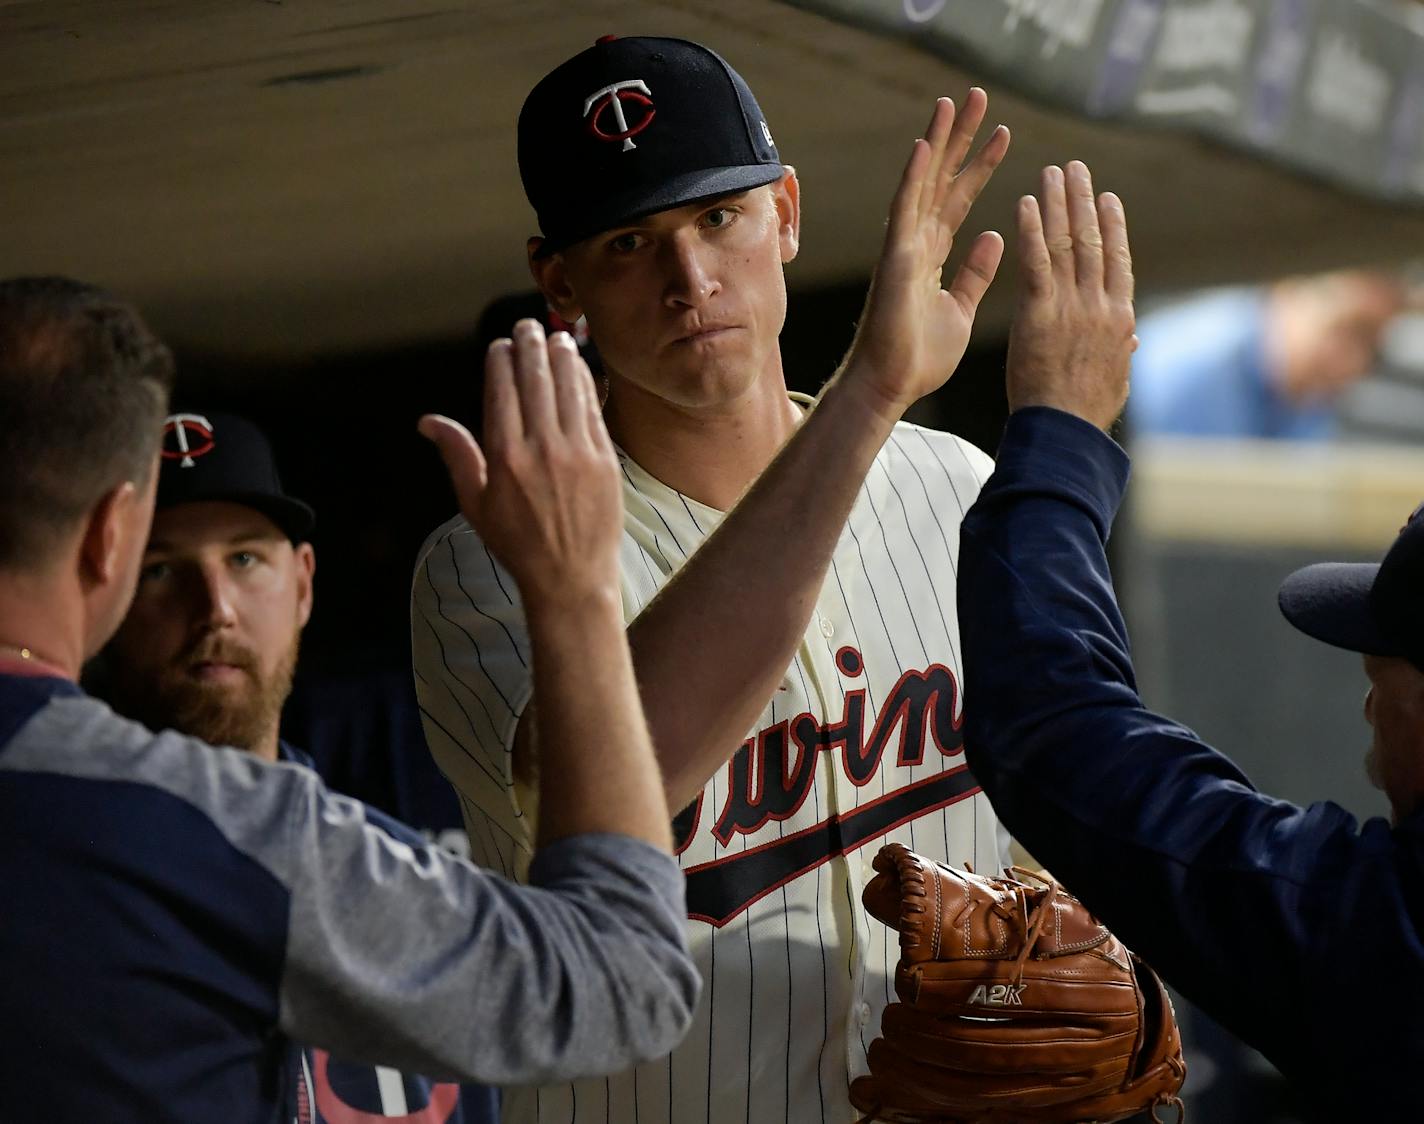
(679, 191)
(1330, 601)
(292, 517)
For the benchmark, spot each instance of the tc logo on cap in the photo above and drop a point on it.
(187, 436)
(611, 99)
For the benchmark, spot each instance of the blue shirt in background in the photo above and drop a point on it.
(1200, 371)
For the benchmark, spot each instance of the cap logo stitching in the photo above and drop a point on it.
(610, 99)
(179, 427)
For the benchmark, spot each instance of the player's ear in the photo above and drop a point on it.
(111, 533)
(305, 557)
(786, 196)
(551, 274)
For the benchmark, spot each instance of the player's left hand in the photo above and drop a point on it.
(544, 491)
(1072, 340)
(914, 331)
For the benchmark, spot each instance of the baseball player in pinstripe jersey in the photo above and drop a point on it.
(800, 665)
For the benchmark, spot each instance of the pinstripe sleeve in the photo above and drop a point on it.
(472, 681)
(981, 464)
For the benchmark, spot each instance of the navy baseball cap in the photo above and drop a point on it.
(634, 126)
(222, 457)
(1372, 607)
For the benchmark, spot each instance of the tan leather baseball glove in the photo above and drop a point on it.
(1016, 1004)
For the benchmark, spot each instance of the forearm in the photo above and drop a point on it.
(712, 647)
(598, 772)
(412, 958)
(1047, 668)
(1159, 834)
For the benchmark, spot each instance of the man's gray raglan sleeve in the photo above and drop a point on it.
(414, 958)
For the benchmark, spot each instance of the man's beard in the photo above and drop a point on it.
(239, 715)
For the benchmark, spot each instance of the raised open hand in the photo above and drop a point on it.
(914, 331)
(544, 494)
(1072, 340)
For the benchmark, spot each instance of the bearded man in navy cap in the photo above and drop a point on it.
(208, 648)
(210, 644)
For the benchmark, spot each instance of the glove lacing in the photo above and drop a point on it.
(1034, 921)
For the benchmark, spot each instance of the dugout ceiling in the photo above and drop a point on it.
(281, 178)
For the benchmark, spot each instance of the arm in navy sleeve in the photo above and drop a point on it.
(1255, 908)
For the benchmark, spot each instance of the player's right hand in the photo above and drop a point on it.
(1072, 339)
(914, 331)
(544, 492)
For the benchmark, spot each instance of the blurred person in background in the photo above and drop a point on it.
(209, 648)
(1266, 361)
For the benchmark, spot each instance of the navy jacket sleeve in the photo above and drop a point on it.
(1293, 926)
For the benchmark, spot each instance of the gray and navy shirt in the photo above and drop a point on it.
(331, 1090)
(172, 915)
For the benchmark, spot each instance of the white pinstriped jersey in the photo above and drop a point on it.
(859, 746)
